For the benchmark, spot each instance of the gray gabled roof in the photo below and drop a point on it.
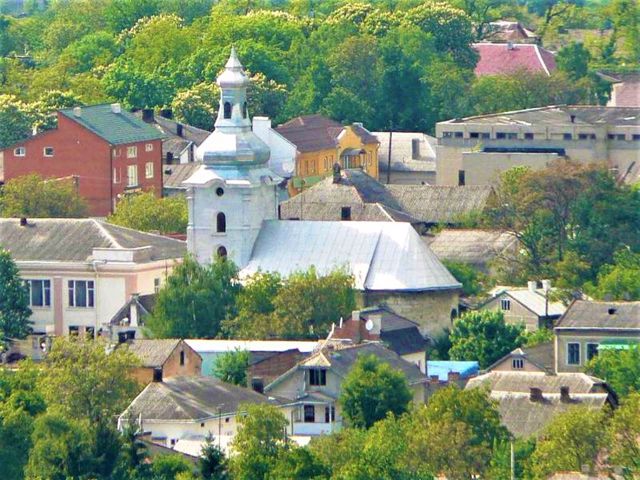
(383, 256)
(522, 382)
(583, 314)
(73, 240)
(153, 352)
(473, 246)
(115, 128)
(192, 398)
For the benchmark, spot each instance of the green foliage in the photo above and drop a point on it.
(371, 390)
(148, 213)
(574, 60)
(195, 300)
(213, 463)
(619, 368)
(541, 335)
(168, 467)
(32, 196)
(570, 442)
(471, 278)
(260, 440)
(85, 382)
(197, 105)
(14, 301)
(16, 120)
(624, 436)
(620, 281)
(484, 336)
(298, 464)
(231, 367)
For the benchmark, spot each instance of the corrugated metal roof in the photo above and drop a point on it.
(535, 301)
(207, 346)
(115, 128)
(380, 255)
(601, 315)
(442, 368)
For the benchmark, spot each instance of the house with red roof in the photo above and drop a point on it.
(508, 58)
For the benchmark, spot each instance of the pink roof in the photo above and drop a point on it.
(500, 59)
(626, 93)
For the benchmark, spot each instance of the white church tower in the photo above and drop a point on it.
(231, 194)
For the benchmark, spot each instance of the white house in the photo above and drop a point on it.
(283, 153)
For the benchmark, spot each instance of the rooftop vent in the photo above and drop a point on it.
(611, 311)
(535, 394)
(77, 112)
(23, 222)
(116, 108)
(564, 395)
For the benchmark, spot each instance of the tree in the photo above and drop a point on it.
(371, 390)
(570, 442)
(620, 281)
(35, 197)
(195, 300)
(16, 121)
(149, 213)
(213, 463)
(137, 88)
(14, 301)
(624, 436)
(168, 467)
(197, 105)
(231, 367)
(260, 440)
(573, 59)
(298, 464)
(86, 382)
(619, 368)
(484, 336)
(471, 279)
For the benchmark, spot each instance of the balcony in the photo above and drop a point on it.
(301, 428)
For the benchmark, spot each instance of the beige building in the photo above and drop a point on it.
(589, 327)
(163, 358)
(539, 358)
(474, 150)
(81, 271)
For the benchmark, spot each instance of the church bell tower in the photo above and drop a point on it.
(234, 191)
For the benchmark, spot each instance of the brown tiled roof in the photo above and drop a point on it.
(583, 314)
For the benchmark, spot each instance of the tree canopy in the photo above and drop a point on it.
(14, 301)
(148, 213)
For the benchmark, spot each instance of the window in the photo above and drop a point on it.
(148, 170)
(517, 363)
(39, 293)
(81, 293)
(309, 414)
(474, 135)
(132, 152)
(567, 136)
(227, 110)
(132, 176)
(505, 304)
(329, 414)
(635, 137)
(116, 176)
(447, 134)
(528, 136)
(458, 135)
(156, 285)
(592, 350)
(345, 213)
(317, 377)
(485, 135)
(245, 110)
(20, 151)
(182, 358)
(586, 136)
(222, 252)
(221, 223)
(148, 147)
(573, 354)
(615, 136)
(461, 178)
(501, 135)
(48, 151)
(512, 136)
(74, 331)
(219, 191)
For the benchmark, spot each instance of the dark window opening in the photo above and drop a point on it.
(221, 223)
(182, 358)
(592, 350)
(245, 110)
(528, 136)
(567, 136)
(461, 178)
(573, 354)
(458, 134)
(474, 135)
(309, 414)
(329, 414)
(227, 110)
(219, 191)
(345, 213)
(317, 377)
(222, 252)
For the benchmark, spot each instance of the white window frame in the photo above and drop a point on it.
(148, 147)
(318, 382)
(505, 302)
(517, 363)
(132, 152)
(46, 292)
(156, 284)
(569, 353)
(90, 293)
(148, 170)
(19, 151)
(132, 176)
(116, 178)
(44, 151)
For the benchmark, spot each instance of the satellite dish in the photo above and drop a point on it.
(369, 325)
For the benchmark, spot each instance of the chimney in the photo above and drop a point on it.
(564, 395)
(573, 119)
(157, 374)
(23, 221)
(77, 112)
(510, 46)
(358, 124)
(257, 384)
(415, 148)
(179, 129)
(336, 173)
(434, 379)
(546, 286)
(453, 377)
(535, 394)
(147, 115)
(532, 285)
(116, 108)
(355, 315)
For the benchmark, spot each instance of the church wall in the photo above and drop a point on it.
(431, 310)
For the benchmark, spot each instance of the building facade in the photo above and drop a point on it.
(110, 152)
(475, 150)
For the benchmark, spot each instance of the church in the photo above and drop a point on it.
(233, 204)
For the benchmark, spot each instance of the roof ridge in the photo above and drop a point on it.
(140, 232)
(105, 233)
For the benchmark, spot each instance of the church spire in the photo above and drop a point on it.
(233, 115)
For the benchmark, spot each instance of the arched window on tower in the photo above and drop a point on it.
(227, 110)
(245, 111)
(221, 223)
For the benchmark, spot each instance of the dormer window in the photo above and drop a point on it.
(317, 377)
(227, 110)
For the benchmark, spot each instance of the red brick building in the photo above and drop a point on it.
(109, 150)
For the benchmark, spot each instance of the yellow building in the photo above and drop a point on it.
(321, 142)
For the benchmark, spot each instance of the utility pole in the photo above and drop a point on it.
(513, 462)
(389, 157)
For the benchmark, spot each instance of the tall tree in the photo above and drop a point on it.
(16, 120)
(484, 336)
(231, 367)
(624, 436)
(195, 300)
(619, 368)
(14, 301)
(371, 390)
(146, 212)
(620, 281)
(36, 197)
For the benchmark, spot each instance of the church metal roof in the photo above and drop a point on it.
(382, 256)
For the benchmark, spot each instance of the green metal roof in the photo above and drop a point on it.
(115, 128)
(620, 344)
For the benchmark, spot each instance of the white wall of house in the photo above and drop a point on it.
(283, 152)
